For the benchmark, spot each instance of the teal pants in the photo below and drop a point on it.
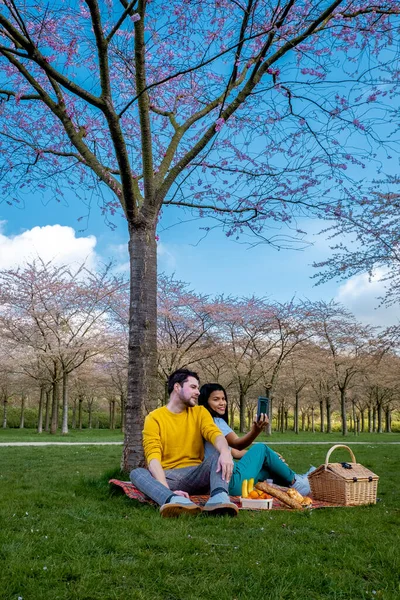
(260, 463)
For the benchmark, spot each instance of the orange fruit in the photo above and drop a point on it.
(253, 495)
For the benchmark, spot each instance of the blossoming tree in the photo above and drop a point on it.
(248, 111)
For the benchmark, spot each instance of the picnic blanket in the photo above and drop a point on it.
(129, 489)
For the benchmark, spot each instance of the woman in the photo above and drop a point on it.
(259, 462)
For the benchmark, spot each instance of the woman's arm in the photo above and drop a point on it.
(239, 443)
(238, 454)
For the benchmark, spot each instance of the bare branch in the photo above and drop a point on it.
(127, 11)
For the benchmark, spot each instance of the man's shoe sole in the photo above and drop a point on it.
(221, 509)
(176, 510)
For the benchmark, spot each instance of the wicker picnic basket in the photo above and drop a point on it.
(345, 484)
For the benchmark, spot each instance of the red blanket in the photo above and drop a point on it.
(132, 492)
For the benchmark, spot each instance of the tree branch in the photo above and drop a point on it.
(189, 70)
(143, 106)
(127, 11)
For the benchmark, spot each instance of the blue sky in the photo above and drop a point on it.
(215, 265)
(212, 265)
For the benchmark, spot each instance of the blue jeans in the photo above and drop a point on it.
(259, 463)
(200, 479)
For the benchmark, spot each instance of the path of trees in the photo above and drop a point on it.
(63, 349)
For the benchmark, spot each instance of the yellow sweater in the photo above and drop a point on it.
(176, 440)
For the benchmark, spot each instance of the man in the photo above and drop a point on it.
(173, 442)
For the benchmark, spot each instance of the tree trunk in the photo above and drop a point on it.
(5, 403)
(321, 417)
(252, 416)
(388, 420)
(166, 395)
(308, 421)
(242, 412)
(296, 414)
(142, 361)
(73, 422)
(54, 407)
(80, 404)
(22, 416)
(380, 428)
(374, 419)
(112, 413)
(64, 426)
(122, 400)
(286, 419)
(303, 421)
(41, 405)
(328, 415)
(354, 418)
(232, 415)
(248, 419)
(47, 416)
(269, 426)
(343, 411)
(90, 413)
(362, 415)
(370, 421)
(313, 420)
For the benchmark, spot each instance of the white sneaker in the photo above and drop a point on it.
(302, 485)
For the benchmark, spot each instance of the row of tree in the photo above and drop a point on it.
(64, 333)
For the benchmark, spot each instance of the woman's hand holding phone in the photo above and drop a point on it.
(261, 423)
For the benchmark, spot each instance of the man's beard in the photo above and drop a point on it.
(189, 402)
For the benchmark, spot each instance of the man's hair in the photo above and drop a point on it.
(180, 376)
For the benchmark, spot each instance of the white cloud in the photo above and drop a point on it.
(120, 257)
(166, 258)
(55, 243)
(360, 294)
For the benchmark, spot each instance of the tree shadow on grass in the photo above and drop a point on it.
(99, 486)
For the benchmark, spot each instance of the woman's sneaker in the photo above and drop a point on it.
(301, 483)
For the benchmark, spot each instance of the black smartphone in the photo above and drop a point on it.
(262, 407)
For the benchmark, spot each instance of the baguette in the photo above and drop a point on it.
(282, 496)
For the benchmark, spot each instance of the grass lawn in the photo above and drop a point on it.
(106, 435)
(74, 435)
(65, 535)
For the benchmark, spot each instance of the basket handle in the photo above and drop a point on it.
(353, 458)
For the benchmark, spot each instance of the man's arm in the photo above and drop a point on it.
(157, 471)
(225, 461)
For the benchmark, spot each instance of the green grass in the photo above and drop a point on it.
(105, 435)
(329, 438)
(65, 535)
(74, 435)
